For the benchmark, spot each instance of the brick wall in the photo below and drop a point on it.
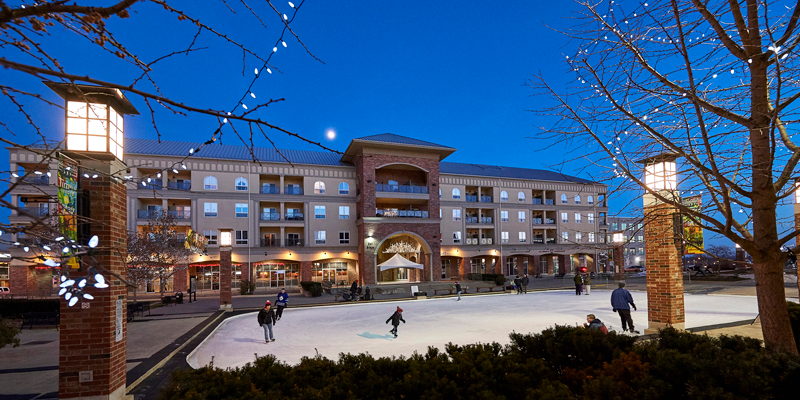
(664, 269)
(180, 279)
(225, 278)
(19, 278)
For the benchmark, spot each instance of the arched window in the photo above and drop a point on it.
(319, 187)
(563, 199)
(210, 183)
(503, 196)
(521, 196)
(344, 188)
(456, 193)
(589, 200)
(577, 199)
(241, 183)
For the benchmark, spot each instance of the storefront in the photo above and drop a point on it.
(276, 274)
(333, 270)
(207, 276)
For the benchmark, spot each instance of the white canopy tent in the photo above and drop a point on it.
(398, 261)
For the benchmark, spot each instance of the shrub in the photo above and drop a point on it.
(794, 318)
(8, 335)
(246, 287)
(12, 307)
(315, 288)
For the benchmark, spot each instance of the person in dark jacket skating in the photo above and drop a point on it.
(525, 282)
(282, 302)
(353, 289)
(578, 284)
(458, 290)
(266, 318)
(620, 300)
(518, 284)
(396, 318)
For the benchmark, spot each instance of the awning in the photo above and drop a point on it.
(398, 261)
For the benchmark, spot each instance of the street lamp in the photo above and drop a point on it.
(659, 172)
(225, 241)
(225, 237)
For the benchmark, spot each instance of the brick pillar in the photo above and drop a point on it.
(664, 267)
(463, 264)
(467, 267)
(562, 264)
(93, 340)
(225, 279)
(533, 266)
(20, 279)
(180, 279)
(305, 271)
(619, 263)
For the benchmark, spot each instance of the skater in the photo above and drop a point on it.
(525, 282)
(518, 284)
(620, 300)
(396, 318)
(458, 291)
(587, 284)
(578, 284)
(353, 289)
(593, 323)
(266, 318)
(282, 302)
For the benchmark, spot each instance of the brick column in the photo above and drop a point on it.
(180, 279)
(20, 278)
(664, 269)
(562, 264)
(93, 340)
(305, 271)
(619, 263)
(465, 267)
(225, 279)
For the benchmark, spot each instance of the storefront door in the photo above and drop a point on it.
(278, 278)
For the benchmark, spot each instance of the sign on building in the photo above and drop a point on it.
(693, 233)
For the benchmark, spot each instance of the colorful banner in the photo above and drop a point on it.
(692, 233)
(195, 242)
(67, 183)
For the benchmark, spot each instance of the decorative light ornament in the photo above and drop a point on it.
(158, 175)
(93, 241)
(291, 4)
(256, 71)
(244, 106)
(46, 247)
(283, 43)
(14, 174)
(88, 296)
(73, 301)
(253, 95)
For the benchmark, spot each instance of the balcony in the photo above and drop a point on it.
(35, 211)
(486, 220)
(550, 202)
(537, 240)
(486, 241)
(37, 180)
(401, 214)
(379, 187)
(271, 189)
(471, 198)
(292, 242)
(149, 214)
(549, 221)
(154, 184)
(537, 201)
(293, 190)
(550, 241)
(294, 217)
(179, 185)
(180, 214)
(486, 199)
(270, 216)
(472, 220)
(473, 241)
(270, 242)
(537, 221)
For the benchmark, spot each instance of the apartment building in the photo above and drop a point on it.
(632, 229)
(312, 215)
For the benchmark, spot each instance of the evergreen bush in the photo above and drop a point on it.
(315, 288)
(246, 287)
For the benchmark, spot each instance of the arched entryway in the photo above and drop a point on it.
(410, 246)
(580, 260)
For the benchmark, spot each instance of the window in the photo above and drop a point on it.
(503, 237)
(344, 188)
(456, 193)
(564, 217)
(319, 187)
(504, 216)
(625, 238)
(577, 218)
(523, 237)
(521, 196)
(589, 200)
(641, 251)
(457, 237)
(591, 237)
(563, 199)
(624, 226)
(590, 218)
(241, 210)
(613, 226)
(440, 213)
(577, 199)
(319, 237)
(565, 237)
(640, 238)
(241, 183)
(344, 212)
(241, 237)
(503, 196)
(211, 236)
(445, 269)
(578, 237)
(210, 183)
(210, 209)
(344, 237)
(319, 212)
(521, 215)
(440, 193)
(456, 215)
(640, 226)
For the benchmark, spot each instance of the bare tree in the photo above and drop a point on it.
(156, 252)
(715, 82)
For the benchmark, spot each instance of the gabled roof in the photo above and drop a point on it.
(231, 152)
(397, 139)
(507, 172)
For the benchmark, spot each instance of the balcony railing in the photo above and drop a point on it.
(550, 202)
(472, 220)
(177, 214)
(537, 221)
(550, 241)
(537, 240)
(470, 198)
(294, 217)
(270, 189)
(379, 187)
(486, 220)
(291, 242)
(537, 201)
(472, 240)
(148, 214)
(154, 184)
(182, 185)
(549, 221)
(36, 211)
(293, 190)
(270, 242)
(270, 216)
(180, 214)
(401, 214)
(37, 180)
(486, 199)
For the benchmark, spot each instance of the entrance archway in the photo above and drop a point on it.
(410, 246)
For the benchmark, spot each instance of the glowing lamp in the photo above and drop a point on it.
(617, 237)
(797, 192)
(660, 172)
(94, 119)
(225, 237)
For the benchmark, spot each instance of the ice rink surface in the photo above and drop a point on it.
(360, 327)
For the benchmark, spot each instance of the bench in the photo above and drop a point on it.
(491, 288)
(40, 319)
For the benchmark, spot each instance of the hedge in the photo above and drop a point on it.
(314, 287)
(12, 307)
(559, 363)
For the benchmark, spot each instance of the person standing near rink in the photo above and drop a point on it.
(578, 284)
(458, 290)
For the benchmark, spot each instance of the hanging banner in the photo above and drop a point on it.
(692, 233)
(195, 242)
(67, 206)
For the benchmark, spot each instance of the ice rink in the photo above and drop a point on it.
(360, 327)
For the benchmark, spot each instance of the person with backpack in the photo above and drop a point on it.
(578, 284)
(593, 323)
(282, 302)
(458, 290)
(396, 318)
(266, 319)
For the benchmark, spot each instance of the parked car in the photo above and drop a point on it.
(4, 291)
(634, 268)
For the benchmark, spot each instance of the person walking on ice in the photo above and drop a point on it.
(620, 300)
(458, 291)
(282, 302)
(396, 318)
(266, 318)
(587, 284)
(578, 284)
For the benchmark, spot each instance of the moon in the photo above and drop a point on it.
(330, 134)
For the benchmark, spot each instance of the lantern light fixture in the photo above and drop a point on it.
(660, 172)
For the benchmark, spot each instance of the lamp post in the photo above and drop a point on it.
(618, 255)
(663, 244)
(225, 242)
(93, 132)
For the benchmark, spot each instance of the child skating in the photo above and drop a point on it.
(396, 318)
